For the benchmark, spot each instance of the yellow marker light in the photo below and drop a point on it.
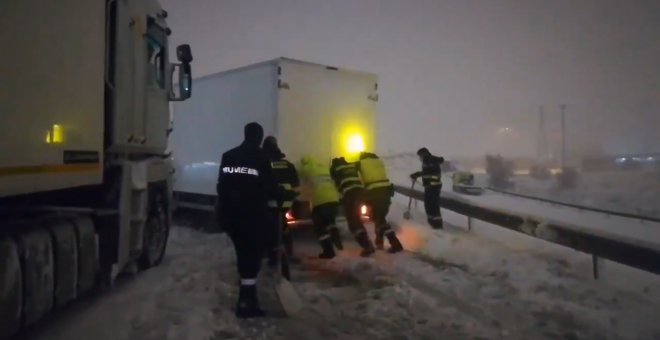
(355, 144)
(55, 135)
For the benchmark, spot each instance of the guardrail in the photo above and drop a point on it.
(579, 207)
(642, 257)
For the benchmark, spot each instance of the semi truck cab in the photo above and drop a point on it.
(84, 121)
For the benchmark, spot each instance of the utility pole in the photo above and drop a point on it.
(563, 136)
(541, 138)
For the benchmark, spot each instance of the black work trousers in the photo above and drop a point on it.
(249, 243)
(432, 204)
(351, 203)
(379, 200)
(324, 218)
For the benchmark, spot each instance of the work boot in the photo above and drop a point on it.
(366, 252)
(364, 242)
(335, 236)
(328, 250)
(435, 222)
(394, 243)
(248, 303)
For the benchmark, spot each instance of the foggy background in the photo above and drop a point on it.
(454, 74)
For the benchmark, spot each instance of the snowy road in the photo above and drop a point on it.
(449, 284)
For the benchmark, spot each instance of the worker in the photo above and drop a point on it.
(245, 185)
(325, 205)
(379, 192)
(286, 176)
(347, 180)
(431, 179)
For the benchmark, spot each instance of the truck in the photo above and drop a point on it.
(85, 186)
(314, 109)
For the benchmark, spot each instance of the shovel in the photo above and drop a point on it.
(286, 293)
(407, 215)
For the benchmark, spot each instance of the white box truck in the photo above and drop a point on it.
(84, 182)
(311, 109)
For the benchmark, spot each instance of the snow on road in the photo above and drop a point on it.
(449, 284)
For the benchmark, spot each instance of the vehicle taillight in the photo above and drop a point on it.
(288, 216)
(363, 210)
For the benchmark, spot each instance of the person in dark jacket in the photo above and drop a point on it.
(432, 181)
(348, 182)
(245, 185)
(379, 192)
(286, 176)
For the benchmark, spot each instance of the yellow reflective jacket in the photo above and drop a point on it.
(372, 171)
(318, 174)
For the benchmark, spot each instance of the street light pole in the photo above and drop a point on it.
(541, 140)
(563, 136)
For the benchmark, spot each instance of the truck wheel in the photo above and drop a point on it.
(11, 288)
(156, 231)
(65, 247)
(87, 254)
(36, 252)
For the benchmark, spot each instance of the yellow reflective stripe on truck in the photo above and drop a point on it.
(48, 169)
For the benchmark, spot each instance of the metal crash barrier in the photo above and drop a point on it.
(599, 245)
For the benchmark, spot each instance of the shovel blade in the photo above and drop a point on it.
(288, 296)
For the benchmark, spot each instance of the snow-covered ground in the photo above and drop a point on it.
(635, 231)
(449, 284)
(636, 192)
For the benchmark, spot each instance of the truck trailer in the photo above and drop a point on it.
(85, 185)
(310, 108)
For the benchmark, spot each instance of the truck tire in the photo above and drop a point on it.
(36, 251)
(11, 288)
(87, 254)
(65, 245)
(156, 230)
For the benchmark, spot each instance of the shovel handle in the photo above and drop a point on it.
(285, 270)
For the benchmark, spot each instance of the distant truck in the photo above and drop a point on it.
(311, 109)
(84, 182)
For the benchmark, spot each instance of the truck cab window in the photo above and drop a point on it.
(156, 53)
(155, 57)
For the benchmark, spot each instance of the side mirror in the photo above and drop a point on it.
(185, 80)
(184, 74)
(184, 54)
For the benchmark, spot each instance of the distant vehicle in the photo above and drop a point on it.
(463, 182)
(311, 109)
(84, 183)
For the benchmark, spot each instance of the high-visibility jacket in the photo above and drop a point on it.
(372, 171)
(318, 174)
(345, 175)
(284, 173)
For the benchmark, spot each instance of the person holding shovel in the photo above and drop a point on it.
(432, 181)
